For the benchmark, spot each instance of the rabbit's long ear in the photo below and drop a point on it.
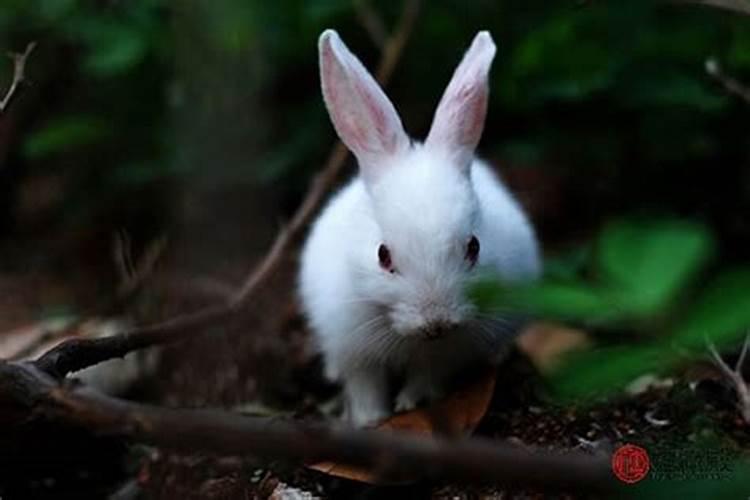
(363, 116)
(459, 119)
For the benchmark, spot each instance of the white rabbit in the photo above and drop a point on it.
(384, 269)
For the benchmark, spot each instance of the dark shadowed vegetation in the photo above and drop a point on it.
(180, 135)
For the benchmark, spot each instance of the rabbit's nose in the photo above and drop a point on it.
(432, 333)
(436, 330)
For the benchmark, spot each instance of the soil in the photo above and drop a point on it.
(262, 363)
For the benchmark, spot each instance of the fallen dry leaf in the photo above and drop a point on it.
(546, 343)
(457, 414)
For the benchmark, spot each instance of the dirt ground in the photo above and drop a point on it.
(262, 363)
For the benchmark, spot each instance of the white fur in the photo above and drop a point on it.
(424, 201)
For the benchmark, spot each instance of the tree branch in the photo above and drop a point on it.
(713, 68)
(737, 6)
(371, 22)
(392, 455)
(19, 76)
(76, 354)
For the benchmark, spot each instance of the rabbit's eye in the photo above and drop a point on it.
(384, 256)
(472, 250)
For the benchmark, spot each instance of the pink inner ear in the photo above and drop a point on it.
(364, 118)
(350, 127)
(459, 119)
(379, 122)
(358, 131)
(472, 110)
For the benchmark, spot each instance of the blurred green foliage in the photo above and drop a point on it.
(64, 133)
(597, 86)
(642, 294)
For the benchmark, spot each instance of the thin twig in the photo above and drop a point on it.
(397, 41)
(743, 353)
(737, 6)
(19, 75)
(371, 22)
(122, 255)
(733, 86)
(76, 354)
(734, 375)
(26, 391)
(132, 276)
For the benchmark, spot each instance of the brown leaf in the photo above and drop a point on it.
(455, 415)
(546, 344)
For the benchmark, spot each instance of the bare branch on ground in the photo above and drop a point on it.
(19, 76)
(26, 391)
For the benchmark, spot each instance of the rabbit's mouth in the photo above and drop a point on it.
(437, 330)
(415, 323)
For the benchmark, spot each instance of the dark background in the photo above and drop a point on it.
(201, 122)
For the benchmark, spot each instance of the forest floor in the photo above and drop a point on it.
(262, 363)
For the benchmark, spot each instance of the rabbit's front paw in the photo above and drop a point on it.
(365, 416)
(367, 397)
(416, 392)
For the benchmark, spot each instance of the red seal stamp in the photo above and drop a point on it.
(630, 463)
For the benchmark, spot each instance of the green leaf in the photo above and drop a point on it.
(650, 263)
(606, 370)
(142, 173)
(324, 10)
(64, 134)
(721, 313)
(115, 50)
(569, 265)
(568, 301)
(675, 90)
(563, 300)
(563, 59)
(53, 10)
